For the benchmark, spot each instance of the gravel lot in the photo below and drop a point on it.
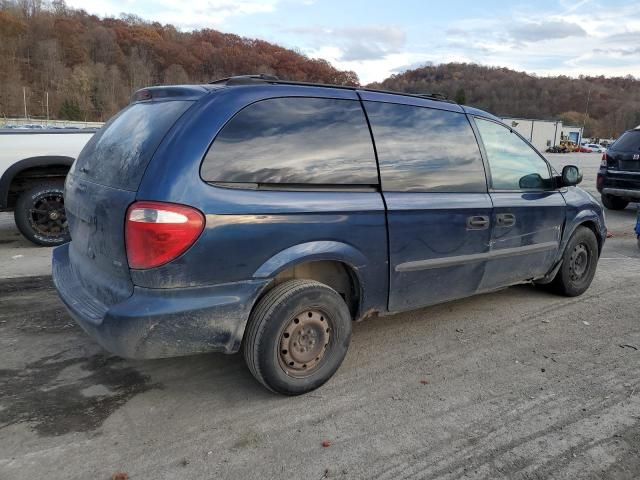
(514, 384)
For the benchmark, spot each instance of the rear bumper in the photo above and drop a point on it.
(157, 323)
(619, 184)
(621, 192)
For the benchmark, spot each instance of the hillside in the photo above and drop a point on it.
(614, 103)
(89, 66)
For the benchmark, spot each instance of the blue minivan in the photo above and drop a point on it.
(266, 216)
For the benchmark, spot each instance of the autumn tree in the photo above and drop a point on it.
(89, 66)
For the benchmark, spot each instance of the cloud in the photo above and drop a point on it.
(632, 37)
(371, 42)
(545, 30)
(624, 52)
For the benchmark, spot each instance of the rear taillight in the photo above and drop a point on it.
(604, 160)
(157, 232)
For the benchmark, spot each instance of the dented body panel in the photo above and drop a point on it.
(532, 241)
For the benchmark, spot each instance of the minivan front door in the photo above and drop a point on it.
(528, 212)
(438, 208)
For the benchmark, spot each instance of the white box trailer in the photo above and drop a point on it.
(544, 134)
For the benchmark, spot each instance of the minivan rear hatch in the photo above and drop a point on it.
(103, 183)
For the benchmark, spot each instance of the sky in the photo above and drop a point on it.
(379, 38)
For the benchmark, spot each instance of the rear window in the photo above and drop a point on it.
(628, 142)
(119, 153)
(425, 150)
(294, 141)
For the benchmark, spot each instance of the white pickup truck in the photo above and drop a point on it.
(33, 167)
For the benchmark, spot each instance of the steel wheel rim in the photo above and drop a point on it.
(579, 262)
(304, 342)
(47, 215)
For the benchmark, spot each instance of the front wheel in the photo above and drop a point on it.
(297, 336)
(614, 203)
(579, 263)
(40, 216)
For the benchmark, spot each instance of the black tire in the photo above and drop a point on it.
(614, 203)
(39, 214)
(579, 263)
(278, 313)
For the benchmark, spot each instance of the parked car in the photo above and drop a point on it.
(618, 179)
(33, 166)
(583, 149)
(596, 148)
(269, 215)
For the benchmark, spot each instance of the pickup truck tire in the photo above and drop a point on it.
(39, 214)
(297, 336)
(614, 203)
(579, 263)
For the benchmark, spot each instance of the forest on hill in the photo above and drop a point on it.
(606, 106)
(90, 66)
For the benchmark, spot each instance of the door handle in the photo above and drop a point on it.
(505, 219)
(477, 222)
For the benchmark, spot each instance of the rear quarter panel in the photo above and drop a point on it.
(262, 233)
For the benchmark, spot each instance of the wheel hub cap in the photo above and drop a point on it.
(304, 341)
(579, 262)
(47, 215)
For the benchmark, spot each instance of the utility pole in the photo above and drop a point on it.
(47, 101)
(586, 110)
(24, 100)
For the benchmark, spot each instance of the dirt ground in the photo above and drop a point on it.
(515, 384)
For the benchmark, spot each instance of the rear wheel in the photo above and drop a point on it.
(297, 336)
(40, 216)
(614, 203)
(579, 263)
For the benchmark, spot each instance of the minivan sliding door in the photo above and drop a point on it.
(438, 208)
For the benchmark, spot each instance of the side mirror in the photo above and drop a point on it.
(533, 181)
(571, 176)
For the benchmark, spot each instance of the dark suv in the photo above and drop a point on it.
(619, 176)
(268, 215)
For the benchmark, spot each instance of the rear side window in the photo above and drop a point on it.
(119, 153)
(425, 150)
(294, 141)
(628, 142)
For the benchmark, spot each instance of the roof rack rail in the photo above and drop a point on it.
(440, 96)
(272, 79)
(246, 79)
